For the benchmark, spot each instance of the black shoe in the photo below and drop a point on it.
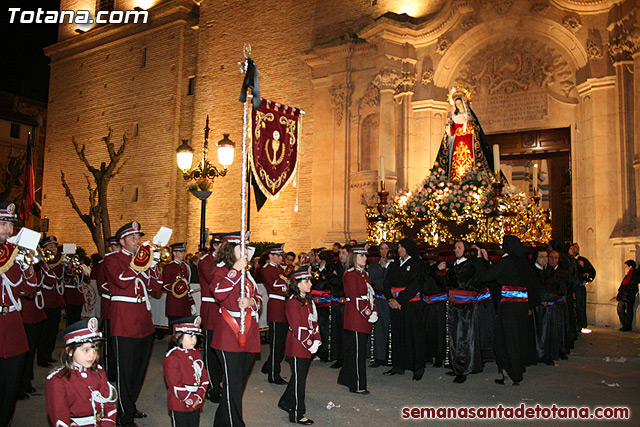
(278, 381)
(564, 357)
(451, 374)
(392, 371)
(29, 389)
(437, 364)
(336, 365)
(44, 364)
(550, 363)
(460, 379)
(23, 396)
(139, 414)
(363, 392)
(52, 360)
(264, 369)
(304, 421)
(516, 383)
(375, 364)
(417, 377)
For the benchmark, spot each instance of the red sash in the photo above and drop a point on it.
(396, 291)
(233, 323)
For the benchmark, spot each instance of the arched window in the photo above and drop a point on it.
(369, 142)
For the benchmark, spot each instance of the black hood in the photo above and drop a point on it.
(411, 247)
(513, 246)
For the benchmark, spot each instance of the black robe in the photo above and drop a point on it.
(511, 346)
(548, 316)
(465, 341)
(407, 334)
(434, 315)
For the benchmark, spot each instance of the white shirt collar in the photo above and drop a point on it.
(460, 260)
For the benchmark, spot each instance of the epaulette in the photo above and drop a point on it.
(170, 351)
(52, 373)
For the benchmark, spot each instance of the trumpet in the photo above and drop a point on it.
(163, 253)
(74, 263)
(29, 256)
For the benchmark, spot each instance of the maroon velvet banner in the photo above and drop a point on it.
(274, 150)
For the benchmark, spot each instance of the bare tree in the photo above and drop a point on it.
(97, 218)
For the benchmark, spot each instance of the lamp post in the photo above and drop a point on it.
(204, 172)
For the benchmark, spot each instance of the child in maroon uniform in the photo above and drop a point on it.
(184, 373)
(303, 341)
(78, 393)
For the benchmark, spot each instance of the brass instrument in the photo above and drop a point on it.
(162, 252)
(180, 288)
(32, 257)
(74, 263)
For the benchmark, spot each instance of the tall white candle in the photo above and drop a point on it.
(496, 158)
(381, 168)
(535, 178)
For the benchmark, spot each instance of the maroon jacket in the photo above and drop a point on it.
(13, 339)
(187, 379)
(276, 287)
(359, 305)
(72, 287)
(33, 304)
(180, 307)
(303, 328)
(226, 289)
(53, 282)
(103, 287)
(209, 309)
(71, 398)
(130, 311)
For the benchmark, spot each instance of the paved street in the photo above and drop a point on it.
(603, 370)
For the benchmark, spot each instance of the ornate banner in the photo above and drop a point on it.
(275, 137)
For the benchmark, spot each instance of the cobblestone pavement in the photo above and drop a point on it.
(603, 370)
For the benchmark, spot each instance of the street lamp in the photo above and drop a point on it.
(204, 173)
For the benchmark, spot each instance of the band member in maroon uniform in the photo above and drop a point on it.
(53, 291)
(303, 341)
(13, 340)
(235, 350)
(359, 315)
(73, 298)
(176, 277)
(210, 312)
(274, 280)
(33, 319)
(100, 276)
(131, 273)
(184, 373)
(78, 393)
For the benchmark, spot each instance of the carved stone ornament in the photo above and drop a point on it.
(443, 44)
(468, 23)
(625, 44)
(427, 77)
(371, 97)
(540, 8)
(386, 79)
(515, 65)
(572, 23)
(593, 50)
(501, 6)
(406, 82)
(339, 95)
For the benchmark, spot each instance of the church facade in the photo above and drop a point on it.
(372, 77)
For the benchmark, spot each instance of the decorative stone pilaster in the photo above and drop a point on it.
(340, 96)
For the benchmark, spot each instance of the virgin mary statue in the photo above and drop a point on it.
(464, 144)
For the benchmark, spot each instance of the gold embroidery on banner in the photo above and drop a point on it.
(261, 118)
(275, 145)
(291, 128)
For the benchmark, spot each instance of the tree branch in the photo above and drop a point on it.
(81, 155)
(118, 171)
(84, 217)
(114, 156)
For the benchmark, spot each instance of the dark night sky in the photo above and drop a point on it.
(24, 69)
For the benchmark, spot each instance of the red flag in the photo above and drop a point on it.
(28, 186)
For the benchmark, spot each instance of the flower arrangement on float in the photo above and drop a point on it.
(200, 184)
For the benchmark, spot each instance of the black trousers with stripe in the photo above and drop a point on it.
(212, 363)
(49, 334)
(236, 367)
(132, 360)
(293, 398)
(10, 375)
(277, 341)
(185, 419)
(354, 371)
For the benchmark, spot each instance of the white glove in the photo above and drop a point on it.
(193, 309)
(315, 346)
(374, 317)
